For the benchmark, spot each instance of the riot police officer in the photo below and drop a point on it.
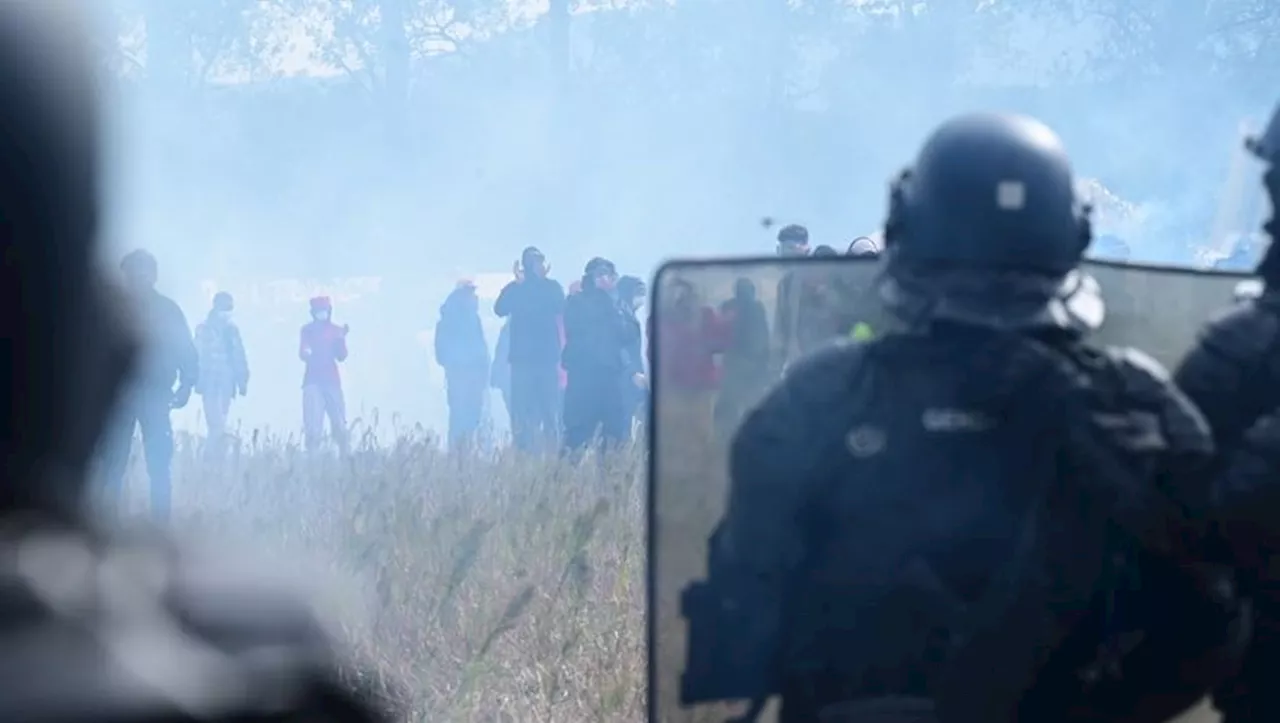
(96, 625)
(1233, 375)
(932, 519)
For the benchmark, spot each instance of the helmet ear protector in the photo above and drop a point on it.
(898, 222)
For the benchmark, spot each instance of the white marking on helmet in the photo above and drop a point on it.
(1011, 195)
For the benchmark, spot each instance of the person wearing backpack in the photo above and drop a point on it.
(224, 368)
(944, 523)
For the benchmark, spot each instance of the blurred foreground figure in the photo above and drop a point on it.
(169, 356)
(463, 353)
(809, 313)
(533, 303)
(97, 627)
(933, 525)
(1233, 375)
(224, 369)
(600, 335)
(322, 345)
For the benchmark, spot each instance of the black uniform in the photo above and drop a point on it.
(533, 305)
(190, 641)
(600, 339)
(169, 357)
(1233, 375)
(941, 519)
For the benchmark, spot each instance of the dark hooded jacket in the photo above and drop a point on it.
(600, 335)
(747, 355)
(631, 288)
(460, 344)
(533, 306)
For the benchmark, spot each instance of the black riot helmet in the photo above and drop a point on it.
(986, 228)
(66, 348)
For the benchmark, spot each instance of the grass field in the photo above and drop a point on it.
(491, 588)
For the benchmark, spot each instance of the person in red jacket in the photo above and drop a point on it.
(691, 336)
(322, 345)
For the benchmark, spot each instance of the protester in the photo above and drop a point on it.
(322, 346)
(691, 336)
(793, 240)
(532, 303)
(746, 373)
(169, 356)
(631, 295)
(224, 368)
(463, 353)
(599, 335)
(500, 370)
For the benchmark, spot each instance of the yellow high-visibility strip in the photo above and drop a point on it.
(862, 331)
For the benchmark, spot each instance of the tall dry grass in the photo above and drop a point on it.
(490, 586)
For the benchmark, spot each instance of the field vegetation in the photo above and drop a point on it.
(490, 586)
(486, 587)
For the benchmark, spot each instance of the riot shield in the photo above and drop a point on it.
(723, 333)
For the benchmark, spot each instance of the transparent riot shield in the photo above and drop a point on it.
(723, 333)
(1160, 309)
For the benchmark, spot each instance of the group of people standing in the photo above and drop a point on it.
(213, 364)
(570, 366)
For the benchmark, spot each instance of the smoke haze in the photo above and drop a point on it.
(377, 151)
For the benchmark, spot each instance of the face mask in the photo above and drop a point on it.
(223, 316)
(321, 316)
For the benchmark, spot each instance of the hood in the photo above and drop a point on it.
(461, 301)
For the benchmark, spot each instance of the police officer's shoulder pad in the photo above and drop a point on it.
(823, 374)
(1244, 331)
(1150, 387)
(835, 357)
